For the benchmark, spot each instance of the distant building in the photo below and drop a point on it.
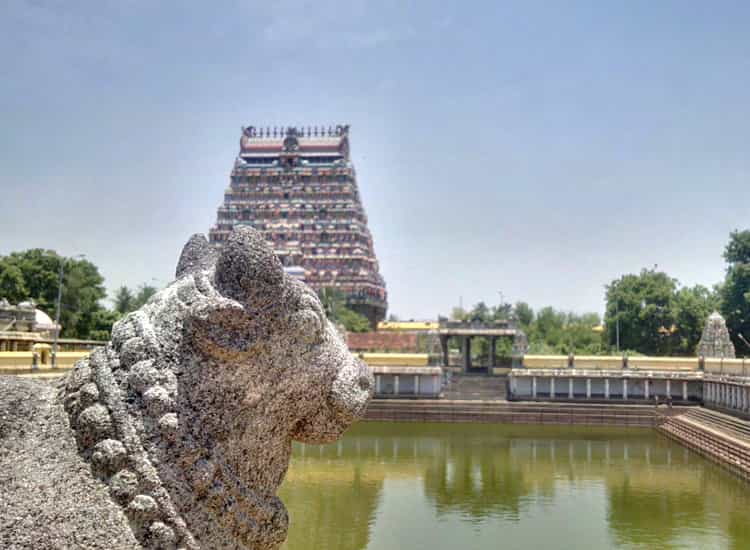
(298, 187)
(22, 325)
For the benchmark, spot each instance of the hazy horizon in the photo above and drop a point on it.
(537, 149)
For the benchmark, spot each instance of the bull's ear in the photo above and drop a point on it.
(197, 255)
(247, 269)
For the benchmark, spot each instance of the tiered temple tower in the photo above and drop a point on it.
(298, 187)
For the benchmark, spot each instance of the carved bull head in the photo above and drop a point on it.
(217, 375)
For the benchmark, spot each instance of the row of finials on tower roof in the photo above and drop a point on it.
(301, 131)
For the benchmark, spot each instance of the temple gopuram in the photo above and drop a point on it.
(298, 187)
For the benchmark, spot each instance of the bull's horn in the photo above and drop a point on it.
(247, 269)
(197, 255)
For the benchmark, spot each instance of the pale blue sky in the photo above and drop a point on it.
(537, 148)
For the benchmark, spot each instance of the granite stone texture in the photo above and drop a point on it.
(715, 341)
(178, 433)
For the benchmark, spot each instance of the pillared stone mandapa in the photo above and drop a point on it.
(178, 433)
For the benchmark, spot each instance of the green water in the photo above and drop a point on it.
(465, 487)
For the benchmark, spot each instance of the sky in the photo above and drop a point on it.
(534, 149)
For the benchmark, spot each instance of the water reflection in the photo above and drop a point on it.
(461, 484)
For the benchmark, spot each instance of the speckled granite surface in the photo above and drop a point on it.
(178, 433)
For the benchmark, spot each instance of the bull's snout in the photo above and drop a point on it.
(352, 390)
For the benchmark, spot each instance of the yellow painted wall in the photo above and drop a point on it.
(407, 325)
(395, 359)
(545, 361)
(20, 362)
(614, 362)
(15, 358)
(664, 363)
(604, 362)
(737, 367)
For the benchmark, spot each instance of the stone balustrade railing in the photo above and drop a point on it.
(733, 367)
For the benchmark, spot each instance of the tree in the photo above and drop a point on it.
(143, 295)
(83, 287)
(353, 321)
(124, 300)
(102, 324)
(337, 311)
(12, 286)
(645, 307)
(524, 314)
(459, 314)
(735, 292)
(480, 312)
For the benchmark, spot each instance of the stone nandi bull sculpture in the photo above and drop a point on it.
(178, 433)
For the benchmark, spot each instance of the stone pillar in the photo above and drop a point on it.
(740, 398)
(467, 353)
(377, 384)
(395, 384)
(624, 388)
(684, 390)
(606, 388)
(552, 387)
(570, 388)
(588, 388)
(444, 348)
(669, 389)
(533, 387)
(493, 350)
(646, 388)
(416, 384)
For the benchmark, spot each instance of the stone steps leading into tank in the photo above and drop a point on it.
(726, 451)
(511, 413)
(734, 427)
(476, 387)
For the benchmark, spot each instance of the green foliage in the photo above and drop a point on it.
(656, 317)
(12, 286)
(738, 248)
(561, 332)
(353, 321)
(549, 331)
(336, 309)
(524, 314)
(124, 300)
(102, 324)
(143, 295)
(34, 275)
(735, 292)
